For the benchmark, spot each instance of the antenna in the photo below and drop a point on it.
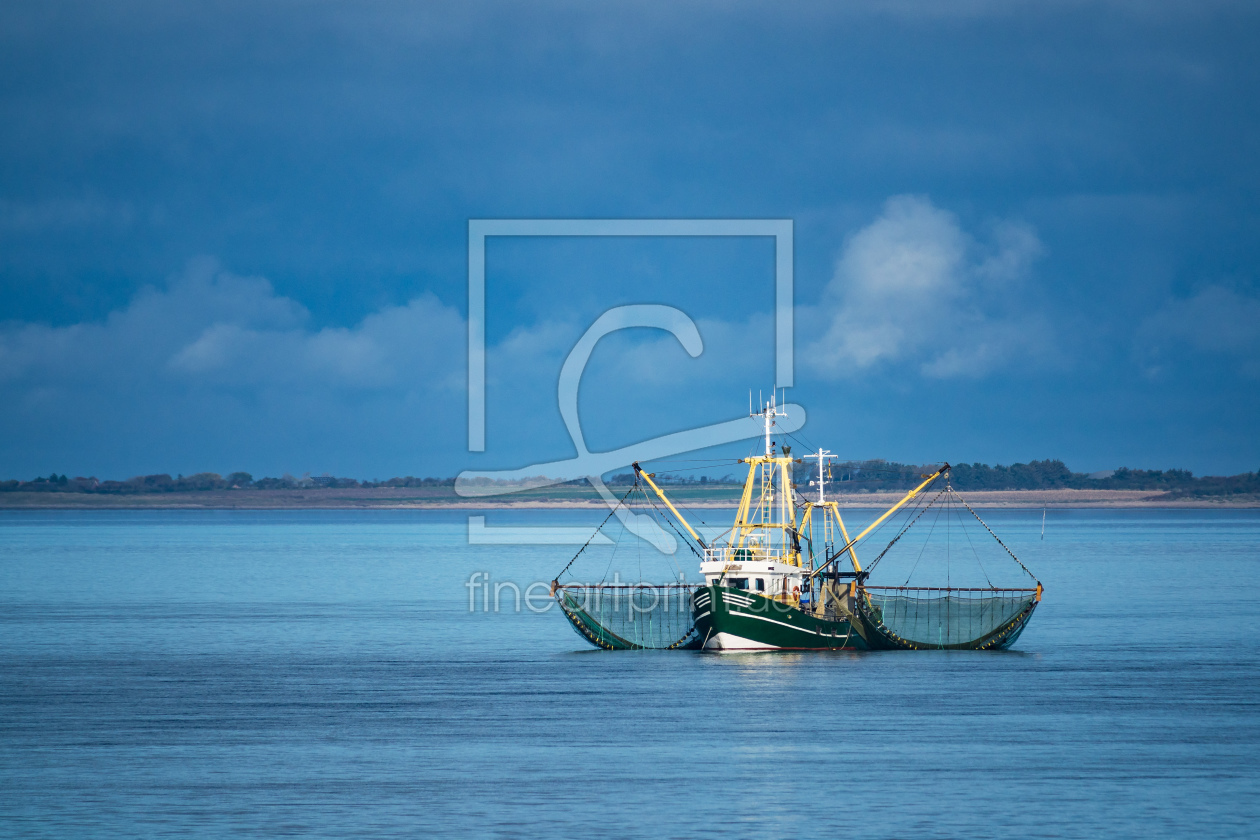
(770, 409)
(823, 456)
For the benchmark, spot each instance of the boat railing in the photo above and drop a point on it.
(733, 554)
(629, 587)
(965, 591)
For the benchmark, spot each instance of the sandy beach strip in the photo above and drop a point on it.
(386, 498)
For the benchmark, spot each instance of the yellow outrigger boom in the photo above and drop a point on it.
(877, 522)
(647, 476)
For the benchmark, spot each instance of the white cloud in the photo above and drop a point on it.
(914, 288)
(213, 328)
(398, 346)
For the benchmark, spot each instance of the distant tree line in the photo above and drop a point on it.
(163, 483)
(871, 476)
(626, 479)
(847, 477)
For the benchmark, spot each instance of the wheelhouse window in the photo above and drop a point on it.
(739, 583)
(761, 584)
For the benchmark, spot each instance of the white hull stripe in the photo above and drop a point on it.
(772, 621)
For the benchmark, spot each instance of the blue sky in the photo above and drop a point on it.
(234, 235)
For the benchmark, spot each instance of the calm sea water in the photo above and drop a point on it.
(319, 673)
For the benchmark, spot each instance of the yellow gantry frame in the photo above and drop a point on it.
(775, 468)
(807, 521)
(768, 468)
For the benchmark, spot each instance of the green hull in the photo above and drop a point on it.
(736, 619)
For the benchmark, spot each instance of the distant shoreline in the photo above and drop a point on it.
(391, 498)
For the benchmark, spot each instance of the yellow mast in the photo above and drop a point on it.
(767, 470)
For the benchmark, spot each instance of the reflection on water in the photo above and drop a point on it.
(319, 673)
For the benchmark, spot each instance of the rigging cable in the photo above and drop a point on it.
(926, 540)
(597, 530)
(967, 534)
(903, 532)
(670, 523)
(900, 516)
(995, 536)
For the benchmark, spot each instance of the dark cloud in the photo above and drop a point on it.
(338, 150)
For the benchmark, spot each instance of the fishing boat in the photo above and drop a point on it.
(786, 576)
